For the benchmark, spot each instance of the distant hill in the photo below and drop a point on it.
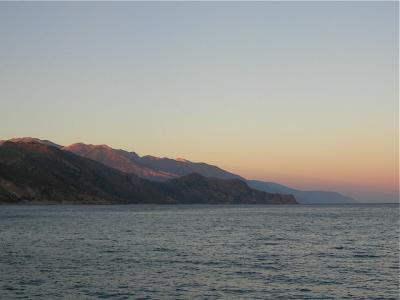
(304, 197)
(39, 173)
(162, 169)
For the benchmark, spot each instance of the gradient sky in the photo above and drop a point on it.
(301, 93)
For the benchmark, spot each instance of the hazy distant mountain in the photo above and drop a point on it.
(36, 172)
(304, 197)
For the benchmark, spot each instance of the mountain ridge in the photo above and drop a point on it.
(119, 159)
(32, 139)
(38, 173)
(162, 169)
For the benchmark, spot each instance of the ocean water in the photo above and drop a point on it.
(199, 252)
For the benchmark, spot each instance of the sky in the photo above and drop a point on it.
(300, 93)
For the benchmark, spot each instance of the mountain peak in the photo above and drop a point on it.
(182, 160)
(83, 145)
(30, 140)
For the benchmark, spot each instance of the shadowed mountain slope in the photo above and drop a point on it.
(200, 189)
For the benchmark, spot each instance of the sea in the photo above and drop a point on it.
(199, 252)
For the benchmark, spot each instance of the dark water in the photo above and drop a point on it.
(199, 252)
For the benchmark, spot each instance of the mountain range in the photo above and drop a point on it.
(36, 172)
(160, 170)
(150, 167)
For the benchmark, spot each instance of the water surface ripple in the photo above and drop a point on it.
(199, 252)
